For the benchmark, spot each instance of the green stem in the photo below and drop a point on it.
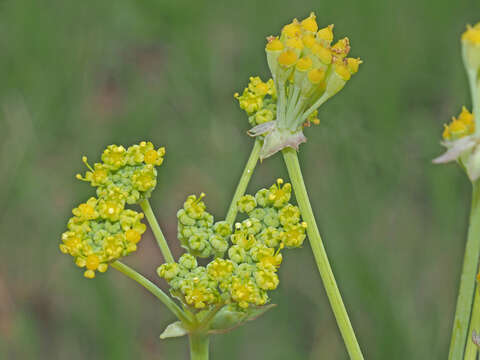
(156, 291)
(475, 93)
(343, 322)
(471, 349)
(243, 183)
(467, 280)
(315, 106)
(198, 346)
(157, 232)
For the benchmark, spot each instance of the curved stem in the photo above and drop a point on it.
(156, 291)
(331, 288)
(157, 232)
(199, 346)
(467, 280)
(243, 183)
(471, 348)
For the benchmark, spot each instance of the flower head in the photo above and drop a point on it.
(462, 136)
(307, 70)
(462, 144)
(125, 175)
(252, 249)
(471, 48)
(101, 232)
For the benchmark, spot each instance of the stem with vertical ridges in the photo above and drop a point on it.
(467, 280)
(326, 273)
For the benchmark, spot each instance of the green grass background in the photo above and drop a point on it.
(76, 76)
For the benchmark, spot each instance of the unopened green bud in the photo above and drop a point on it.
(222, 228)
(183, 217)
(246, 203)
(237, 254)
(187, 261)
(168, 271)
(262, 197)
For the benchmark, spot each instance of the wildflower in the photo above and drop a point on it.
(306, 71)
(471, 48)
(125, 175)
(101, 232)
(462, 135)
(197, 231)
(462, 144)
(245, 261)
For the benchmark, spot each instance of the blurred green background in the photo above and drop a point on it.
(76, 76)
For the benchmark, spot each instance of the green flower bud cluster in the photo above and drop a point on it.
(259, 100)
(125, 175)
(101, 232)
(253, 250)
(197, 232)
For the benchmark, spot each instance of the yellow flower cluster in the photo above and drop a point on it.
(306, 68)
(101, 232)
(471, 50)
(125, 175)
(253, 250)
(459, 127)
(259, 101)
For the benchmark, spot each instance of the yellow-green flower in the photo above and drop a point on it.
(101, 232)
(245, 262)
(125, 175)
(307, 70)
(459, 127)
(471, 48)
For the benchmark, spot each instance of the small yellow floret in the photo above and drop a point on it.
(133, 236)
(323, 54)
(304, 64)
(315, 76)
(310, 24)
(472, 34)
(308, 41)
(353, 65)
(294, 43)
(342, 47)
(287, 58)
(326, 33)
(92, 262)
(293, 29)
(151, 156)
(466, 117)
(459, 127)
(274, 44)
(343, 71)
(89, 274)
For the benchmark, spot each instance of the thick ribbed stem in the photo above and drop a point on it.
(471, 349)
(199, 343)
(467, 280)
(331, 288)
